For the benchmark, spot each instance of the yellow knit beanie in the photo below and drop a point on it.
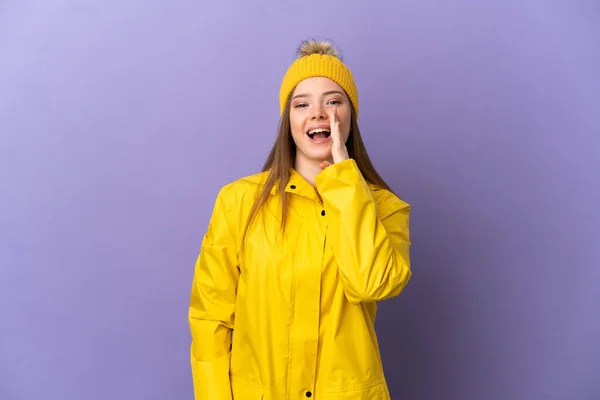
(318, 58)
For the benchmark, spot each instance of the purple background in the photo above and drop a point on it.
(120, 120)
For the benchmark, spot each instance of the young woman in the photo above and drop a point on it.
(295, 258)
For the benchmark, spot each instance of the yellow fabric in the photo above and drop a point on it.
(318, 65)
(301, 306)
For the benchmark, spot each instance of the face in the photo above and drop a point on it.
(311, 108)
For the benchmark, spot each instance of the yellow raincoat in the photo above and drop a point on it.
(301, 307)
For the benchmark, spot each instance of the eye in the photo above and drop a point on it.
(300, 105)
(335, 102)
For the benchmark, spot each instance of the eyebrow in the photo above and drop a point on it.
(325, 94)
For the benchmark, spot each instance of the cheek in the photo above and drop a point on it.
(296, 126)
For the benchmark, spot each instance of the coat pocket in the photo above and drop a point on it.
(242, 391)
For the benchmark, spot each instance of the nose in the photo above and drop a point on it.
(318, 113)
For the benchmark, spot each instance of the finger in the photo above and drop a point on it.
(325, 164)
(332, 122)
(335, 125)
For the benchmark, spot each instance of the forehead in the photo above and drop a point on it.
(317, 85)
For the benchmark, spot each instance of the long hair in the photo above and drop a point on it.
(282, 159)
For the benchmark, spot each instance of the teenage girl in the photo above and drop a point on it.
(296, 257)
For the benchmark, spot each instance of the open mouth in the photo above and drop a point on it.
(319, 134)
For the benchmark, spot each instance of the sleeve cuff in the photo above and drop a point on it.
(211, 379)
(345, 171)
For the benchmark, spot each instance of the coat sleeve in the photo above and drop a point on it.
(212, 308)
(370, 241)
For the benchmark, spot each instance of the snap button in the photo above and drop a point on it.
(293, 187)
(323, 212)
(308, 394)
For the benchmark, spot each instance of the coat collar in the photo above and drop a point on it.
(298, 185)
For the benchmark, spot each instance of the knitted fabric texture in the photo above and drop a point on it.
(320, 65)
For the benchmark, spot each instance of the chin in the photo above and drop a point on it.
(320, 151)
(318, 156)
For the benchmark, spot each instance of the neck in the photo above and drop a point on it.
(308, 169)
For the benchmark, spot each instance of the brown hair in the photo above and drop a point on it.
(283, 156)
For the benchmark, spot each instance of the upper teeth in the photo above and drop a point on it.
(317, 130)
